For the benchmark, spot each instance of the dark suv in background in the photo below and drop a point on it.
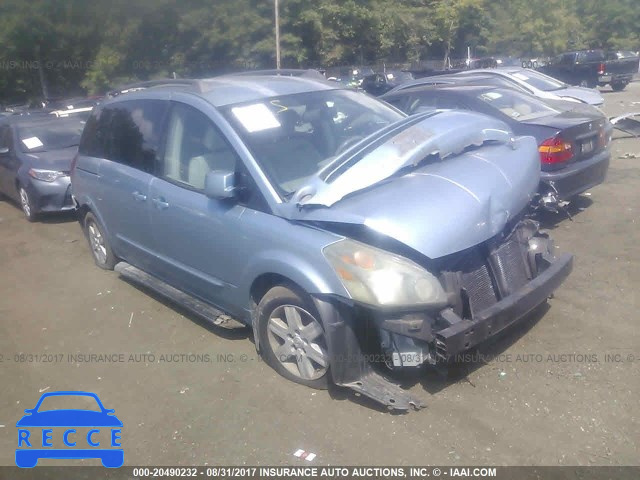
(590, 68)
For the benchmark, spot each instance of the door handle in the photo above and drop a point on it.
(160, 203)
(139, 196)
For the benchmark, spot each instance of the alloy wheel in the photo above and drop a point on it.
(97, 242)
(25, 202)
(297, 340)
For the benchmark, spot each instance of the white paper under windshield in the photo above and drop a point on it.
(32, 142)
(256, 118)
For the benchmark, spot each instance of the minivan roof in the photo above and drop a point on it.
(232, 89)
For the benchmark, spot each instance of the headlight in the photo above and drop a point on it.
(376, 277)
(45, 175)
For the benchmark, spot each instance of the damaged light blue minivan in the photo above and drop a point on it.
(330, 223)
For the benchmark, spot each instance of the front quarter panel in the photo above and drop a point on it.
(289, 249)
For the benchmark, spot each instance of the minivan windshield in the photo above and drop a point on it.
(293, 136)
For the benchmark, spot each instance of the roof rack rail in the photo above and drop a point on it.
(285, 72)
(168, 82)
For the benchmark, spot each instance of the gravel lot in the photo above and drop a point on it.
(562, 389)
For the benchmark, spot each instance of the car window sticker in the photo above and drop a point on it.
(32, 142)
(256, 117)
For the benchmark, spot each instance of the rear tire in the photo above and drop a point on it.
(618, 87)
(101, 251)
(292, 338)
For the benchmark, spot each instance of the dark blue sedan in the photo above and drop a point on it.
(36, 152)
(573, 138)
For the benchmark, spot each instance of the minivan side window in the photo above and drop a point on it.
(127, 132)
(194, 147)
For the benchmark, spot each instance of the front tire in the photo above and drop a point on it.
(27, 205)
(100, 249)
(292, 337)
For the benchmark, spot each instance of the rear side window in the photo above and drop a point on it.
(427, 103)
(126, 132)
(397, 102)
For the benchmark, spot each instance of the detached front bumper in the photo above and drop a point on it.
(490, 287)
(465, 334)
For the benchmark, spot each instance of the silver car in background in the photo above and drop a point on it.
(540, 85)
(328, 222)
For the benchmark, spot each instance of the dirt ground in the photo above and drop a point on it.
(562, 389)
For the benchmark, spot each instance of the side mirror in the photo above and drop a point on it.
(4, 151)
(220, 184)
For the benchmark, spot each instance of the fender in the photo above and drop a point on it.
(315, 279)
(87, 203)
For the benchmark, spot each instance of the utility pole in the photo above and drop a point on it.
(43, 82)
(277, 36)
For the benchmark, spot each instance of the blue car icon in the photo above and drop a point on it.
(35, 432)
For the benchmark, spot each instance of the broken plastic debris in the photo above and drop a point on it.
(44, 389)
(629, 155)
(308, 456)
(130, 319)
(502, 374)
(185, 389)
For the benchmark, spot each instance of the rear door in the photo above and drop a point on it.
(131, 133)
(198, 238)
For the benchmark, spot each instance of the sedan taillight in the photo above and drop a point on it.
(602, 68)
(555, 150)
(603, 138)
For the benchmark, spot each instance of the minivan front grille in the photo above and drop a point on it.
(479, 289)
(484, 279)
(509, 265)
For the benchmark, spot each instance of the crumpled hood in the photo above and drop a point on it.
(444, 206)
(59, 160)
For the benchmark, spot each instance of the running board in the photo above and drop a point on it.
(190, 303)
